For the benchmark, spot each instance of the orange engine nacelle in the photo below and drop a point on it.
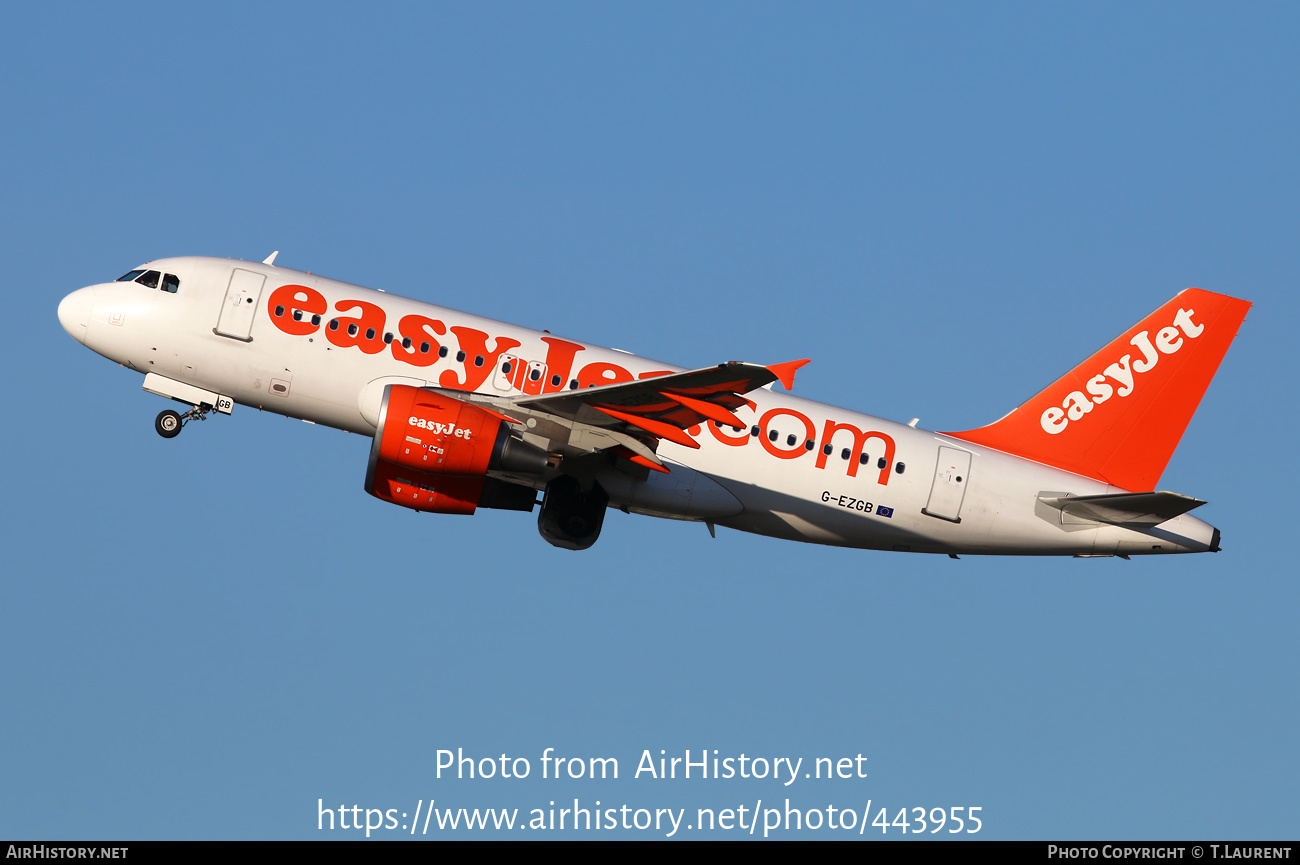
(424, 430)
(422, 491)
(432, 452)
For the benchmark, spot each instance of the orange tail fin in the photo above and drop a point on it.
(1118, 416)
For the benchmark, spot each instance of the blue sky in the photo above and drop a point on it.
(945, 206)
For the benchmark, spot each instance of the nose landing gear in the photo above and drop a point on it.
(168, 423)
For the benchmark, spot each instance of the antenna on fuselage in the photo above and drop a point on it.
(270, 259)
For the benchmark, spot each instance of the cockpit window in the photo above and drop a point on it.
(150, 279)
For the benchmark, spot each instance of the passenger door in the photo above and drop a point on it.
(240, 305)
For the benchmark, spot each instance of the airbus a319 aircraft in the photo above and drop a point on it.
(465, 413)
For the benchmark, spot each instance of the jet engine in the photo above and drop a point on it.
(432, 453)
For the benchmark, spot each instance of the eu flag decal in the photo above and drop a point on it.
(882, 511)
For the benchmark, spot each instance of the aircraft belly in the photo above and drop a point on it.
(683, 493)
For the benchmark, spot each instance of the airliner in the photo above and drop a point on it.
(464, 412)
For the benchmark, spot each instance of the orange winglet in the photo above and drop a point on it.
(631, 456)
(706, 409)
(784, 372)
(659, 428)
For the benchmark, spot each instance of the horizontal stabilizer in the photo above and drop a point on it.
(1124, 509)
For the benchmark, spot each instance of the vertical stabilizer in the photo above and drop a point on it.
(1118, 416)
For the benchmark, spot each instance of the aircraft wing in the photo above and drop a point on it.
(631, 417)
(667, 403)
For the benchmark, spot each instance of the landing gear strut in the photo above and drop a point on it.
(169, 423)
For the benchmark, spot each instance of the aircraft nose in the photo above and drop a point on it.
(74, 312)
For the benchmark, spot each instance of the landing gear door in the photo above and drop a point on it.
(951, 475)
(240, 305)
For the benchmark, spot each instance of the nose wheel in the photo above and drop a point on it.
(169, 423)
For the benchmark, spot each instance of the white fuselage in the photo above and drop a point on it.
(882, 485)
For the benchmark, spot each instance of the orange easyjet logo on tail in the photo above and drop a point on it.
(1123, 372)
(1141, 389)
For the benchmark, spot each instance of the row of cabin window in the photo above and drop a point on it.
(353, 330)
(827, 448)
(151, 279)
(425, 347)
(536, 374)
